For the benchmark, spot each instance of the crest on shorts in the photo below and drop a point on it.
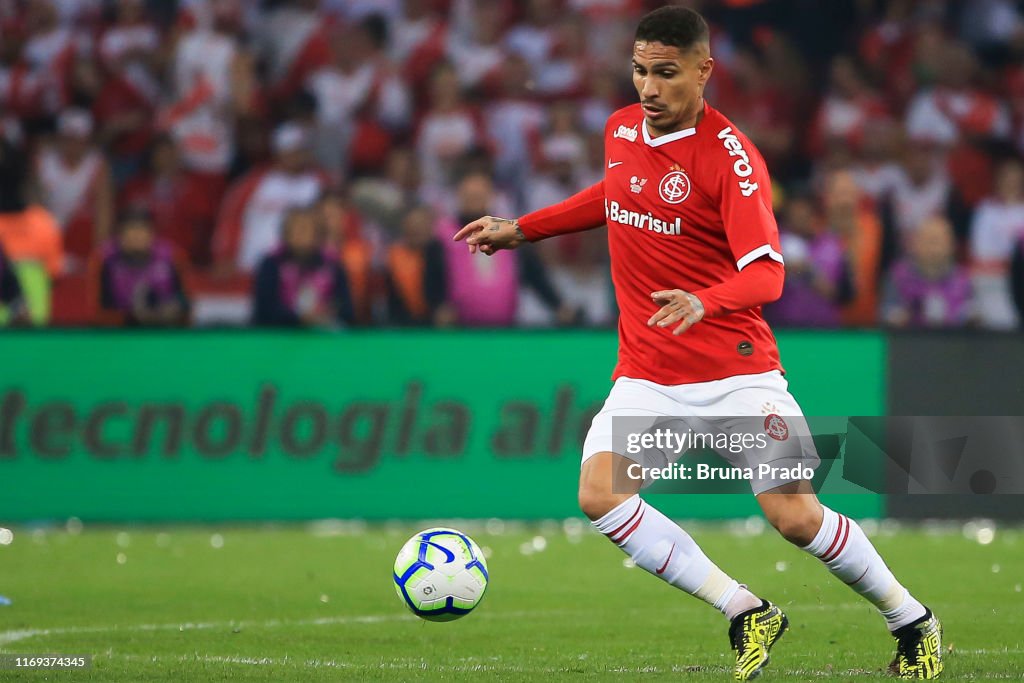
(776, 427)
(674, 187)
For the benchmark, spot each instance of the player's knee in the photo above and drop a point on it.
(798, 524)
(598, 494)
(595, 502)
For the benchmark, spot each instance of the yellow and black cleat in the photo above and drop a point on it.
(752, 634)
(918, 649)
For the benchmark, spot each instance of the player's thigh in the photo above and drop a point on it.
(610, 468)
(632, 407)
(766, 428)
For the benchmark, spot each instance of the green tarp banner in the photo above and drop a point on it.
(373, 425)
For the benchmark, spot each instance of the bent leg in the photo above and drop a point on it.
(794, 511)
(652, 540)
(840, 543)
(597, 481)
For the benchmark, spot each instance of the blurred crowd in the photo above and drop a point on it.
(305, 162)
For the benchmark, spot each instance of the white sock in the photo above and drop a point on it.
(849, 555)
(660, 546)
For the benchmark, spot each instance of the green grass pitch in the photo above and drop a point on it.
(315, 603)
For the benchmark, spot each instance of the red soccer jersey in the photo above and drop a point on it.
(687, 210)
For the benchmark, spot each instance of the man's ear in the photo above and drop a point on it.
(705, 69)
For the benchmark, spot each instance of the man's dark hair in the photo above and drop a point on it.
(134, 215)
(673, 25)
(376, 27)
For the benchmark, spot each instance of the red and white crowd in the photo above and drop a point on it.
(894, 133)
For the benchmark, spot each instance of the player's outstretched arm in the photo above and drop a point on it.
(490, 234)
(582, 211)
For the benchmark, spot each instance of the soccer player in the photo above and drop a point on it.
(694, 255)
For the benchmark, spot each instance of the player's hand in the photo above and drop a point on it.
(490, 234)
(677, 307)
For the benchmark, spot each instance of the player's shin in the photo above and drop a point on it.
(841, 544)
(660, 546)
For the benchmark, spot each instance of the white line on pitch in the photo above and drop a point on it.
(16, 635)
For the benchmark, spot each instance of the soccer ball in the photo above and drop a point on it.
(440, 574)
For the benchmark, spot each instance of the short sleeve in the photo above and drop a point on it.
(745, 201)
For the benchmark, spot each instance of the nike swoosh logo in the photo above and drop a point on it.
(613, 164)
(667, 560)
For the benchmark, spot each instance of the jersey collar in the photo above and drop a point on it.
(671, 137)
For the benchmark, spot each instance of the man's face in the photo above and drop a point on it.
(1010, 182)
(842, 196)
(165, 158)
(302, 236)
(293, 160)
(418, 227)
(670, 82)
(332, 213)
(475, 195)
(136, 241)
(932, 245)
(74, 146)
(919, 162)
(403, 170)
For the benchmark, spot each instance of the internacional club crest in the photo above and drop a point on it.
(776, 427)
(674, 187)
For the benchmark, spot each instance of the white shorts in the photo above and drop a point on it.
(742, 403)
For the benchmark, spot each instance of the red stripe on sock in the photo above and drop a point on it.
(625, 537)
(835, 539)
(842, 544)
(859, 578)
(610, 534)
